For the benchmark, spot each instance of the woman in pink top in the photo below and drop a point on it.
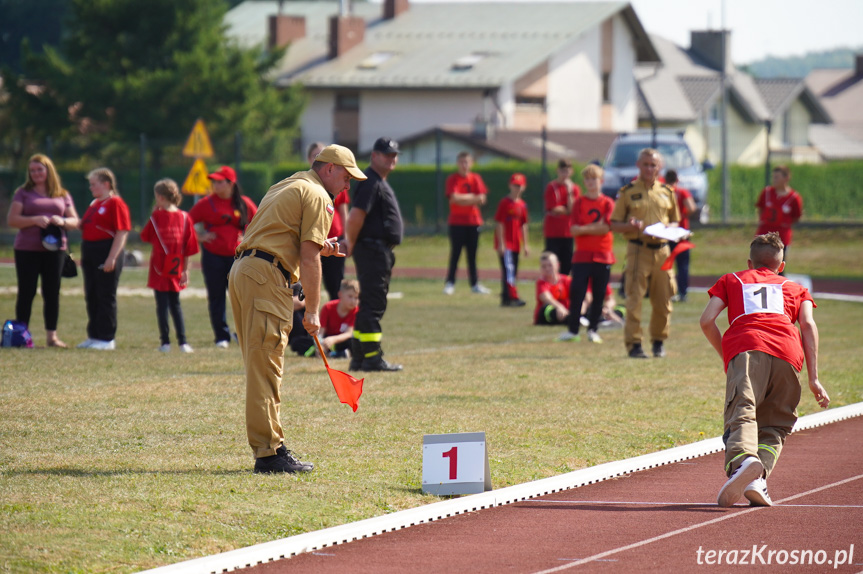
(42, 211)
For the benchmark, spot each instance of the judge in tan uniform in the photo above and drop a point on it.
(640, 204)
(283, 244)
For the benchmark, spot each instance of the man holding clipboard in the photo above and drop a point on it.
(640, 204)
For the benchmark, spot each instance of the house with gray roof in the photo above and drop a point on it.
(841, 93)
(766, 117)
(400, 69)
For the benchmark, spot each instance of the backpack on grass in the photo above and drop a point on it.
(16, 334)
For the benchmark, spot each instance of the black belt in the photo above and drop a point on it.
(376, 241)
(268, 258)
(649, 245)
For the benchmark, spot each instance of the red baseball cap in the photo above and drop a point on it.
(518, 179)
(224, 173)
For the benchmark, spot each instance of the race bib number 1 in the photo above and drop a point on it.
(763, 298)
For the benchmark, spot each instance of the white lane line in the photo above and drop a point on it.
(613, 551)
(636, 503)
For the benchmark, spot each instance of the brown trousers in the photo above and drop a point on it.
(643, 270)
(761, 397)
(263, 304)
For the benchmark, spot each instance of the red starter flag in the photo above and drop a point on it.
(678, 249)
(347, 387)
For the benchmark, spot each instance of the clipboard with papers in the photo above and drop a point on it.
(661, 231)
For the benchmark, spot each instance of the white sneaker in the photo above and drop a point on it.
(102, 345)
(480, 289)
(756, 493)
(86, 344)
(186, 348)
(222, 344)
(568, 336)
(593, 337)
(448, 288)
(733, 488)
(584, 321)
(166, 348)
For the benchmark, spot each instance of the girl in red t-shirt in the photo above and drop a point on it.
(173, 237)
(104, 229)
(225, 213)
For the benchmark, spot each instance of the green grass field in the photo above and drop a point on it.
(120, 461)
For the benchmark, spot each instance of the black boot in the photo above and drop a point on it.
(373, 359)
(356, 355)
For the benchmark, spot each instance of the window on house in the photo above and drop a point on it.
(714, 115)
(606, 88)
(468, 62)
(348, 101)
(530, 101)
(376, 60)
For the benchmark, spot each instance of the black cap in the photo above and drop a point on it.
(386, 145)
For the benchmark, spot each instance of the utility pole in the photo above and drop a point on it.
(723, 91)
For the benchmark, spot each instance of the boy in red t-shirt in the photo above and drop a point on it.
(779, 207)
(337, 324)
(466, 193)
(552, 292)
(510, 238)
(559, 196)
(593, 257)
(763, 357)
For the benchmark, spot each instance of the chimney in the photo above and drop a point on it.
(285, 29)
(345, 33)
(392, 8)
(707, 45)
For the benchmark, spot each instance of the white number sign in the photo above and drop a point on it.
(455, 464)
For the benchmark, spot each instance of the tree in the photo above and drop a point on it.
(127, 67)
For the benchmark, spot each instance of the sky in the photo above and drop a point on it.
(759, 28)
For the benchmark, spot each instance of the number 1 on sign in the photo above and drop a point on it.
(452, 455)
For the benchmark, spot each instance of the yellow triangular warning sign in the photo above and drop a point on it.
(198, 144)
(197, 182)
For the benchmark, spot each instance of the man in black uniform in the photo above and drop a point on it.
(373, 229)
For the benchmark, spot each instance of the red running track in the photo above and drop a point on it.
(656, 520)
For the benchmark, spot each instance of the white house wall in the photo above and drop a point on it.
(317, 119)
(574, 95)
(401, 113)
(623, 91)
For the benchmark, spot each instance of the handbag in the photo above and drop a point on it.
(70, 268)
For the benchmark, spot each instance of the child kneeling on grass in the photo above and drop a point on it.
(337, 324)
(174, 240)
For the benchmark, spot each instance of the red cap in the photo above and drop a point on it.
(518, 179)
(224, 173)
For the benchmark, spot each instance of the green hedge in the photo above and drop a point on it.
(831, 192)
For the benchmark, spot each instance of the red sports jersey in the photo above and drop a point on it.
(556, 194)
(762, 310)
(593, 248)
(682, 195)
(465, 214)
(559, 292)
(173, 237)
(104, 218)
(513, 215)
(332, 323)
(777, 213)
(337, 228)
(220, 217)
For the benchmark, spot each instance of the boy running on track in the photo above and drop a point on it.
(763, 357)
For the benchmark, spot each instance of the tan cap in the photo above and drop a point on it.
(340, 155)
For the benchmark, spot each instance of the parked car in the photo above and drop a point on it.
(620, 166)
